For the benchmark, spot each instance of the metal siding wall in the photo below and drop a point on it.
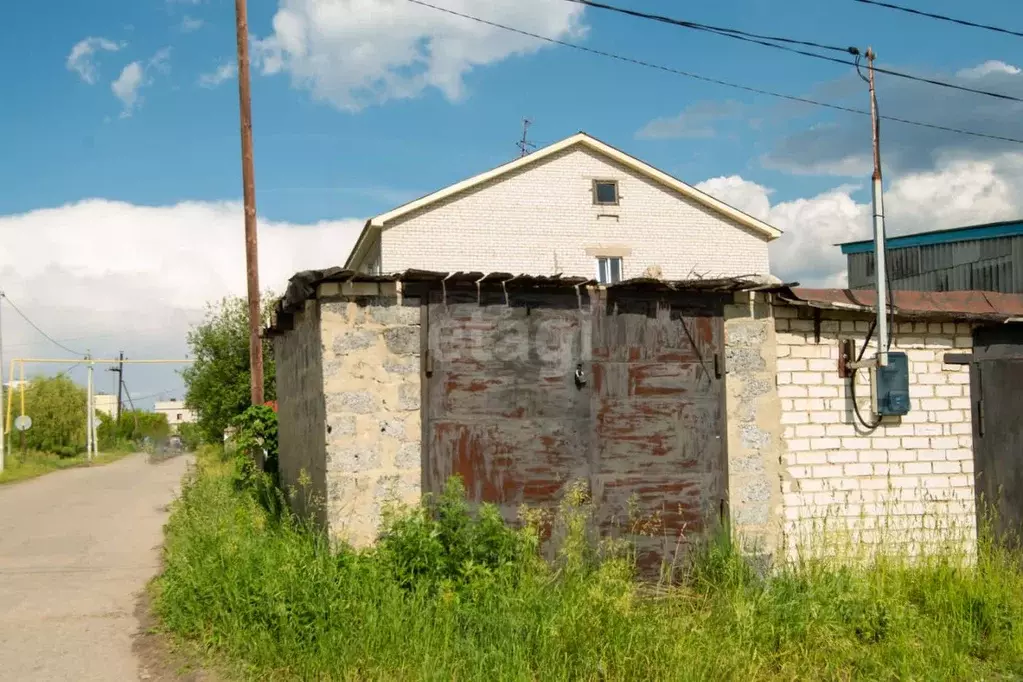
(984, 265)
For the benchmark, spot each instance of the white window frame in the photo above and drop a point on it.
(604, 271)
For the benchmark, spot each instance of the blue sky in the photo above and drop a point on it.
(314, 162)
(107, 194)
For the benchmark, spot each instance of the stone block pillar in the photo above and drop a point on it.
(755, 444)
(371, 373)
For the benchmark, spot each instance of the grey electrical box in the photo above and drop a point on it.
(893, 386)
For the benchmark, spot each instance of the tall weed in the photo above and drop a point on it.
(454, 593)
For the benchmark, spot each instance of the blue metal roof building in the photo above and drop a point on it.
(977, 257)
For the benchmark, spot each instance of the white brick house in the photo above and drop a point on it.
(579, 208)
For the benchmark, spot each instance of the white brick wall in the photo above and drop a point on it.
(542, 220)
(908, 481)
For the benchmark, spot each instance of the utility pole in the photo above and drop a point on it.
(249, 189)
(880, 260)
(3, 436)
(524, 145)
(119, 370)
(89, 445)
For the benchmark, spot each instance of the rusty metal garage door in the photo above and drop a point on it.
(528, 392)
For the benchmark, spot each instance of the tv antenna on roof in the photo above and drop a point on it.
(524, 145)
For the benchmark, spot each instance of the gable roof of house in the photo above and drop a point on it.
(593, 144)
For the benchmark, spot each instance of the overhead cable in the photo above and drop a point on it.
(764, 40)
(715, 81)
(942, 17)
(36, 327)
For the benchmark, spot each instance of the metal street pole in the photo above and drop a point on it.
(88, 417)
(249, 189)
(880, 262)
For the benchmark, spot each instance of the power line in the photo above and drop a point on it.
(763, 40)
(36, 327)
(734, 32)
(941, 17)
(715, 81)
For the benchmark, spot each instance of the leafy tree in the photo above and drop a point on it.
(133, 427)
(217, 383)
(57, 407)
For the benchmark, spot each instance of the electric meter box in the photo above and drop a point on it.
(893, 386)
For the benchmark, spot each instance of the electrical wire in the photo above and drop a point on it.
(942, 17)
(852, 382)
(68, 370)
(49, 338)
(709, 27)
(763, 40)
(715, 81)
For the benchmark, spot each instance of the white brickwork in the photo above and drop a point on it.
(541, 220)
(909, 481)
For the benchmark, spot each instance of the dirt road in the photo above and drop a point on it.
(76, 547)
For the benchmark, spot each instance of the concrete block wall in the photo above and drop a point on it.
(753, 410)
(371, 380)
(908, 482)
(300, 416)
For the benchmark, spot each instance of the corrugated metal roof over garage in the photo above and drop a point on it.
(947, 305)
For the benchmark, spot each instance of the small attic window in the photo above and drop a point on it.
(605, 192)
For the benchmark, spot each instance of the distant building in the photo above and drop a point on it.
(177, 413)
(106, 403)
(976, 257)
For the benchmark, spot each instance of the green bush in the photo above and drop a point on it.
(453, 594)
(441, 543)
(191, 436)
(131, 430)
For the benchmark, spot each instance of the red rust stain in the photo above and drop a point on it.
(479, 385)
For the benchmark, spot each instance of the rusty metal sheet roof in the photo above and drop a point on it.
(954, 305)
(302, 286)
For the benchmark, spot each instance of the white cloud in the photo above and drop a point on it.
(134, 278)
(134, 77)
(992, 66)
(695, 121)
(126, 87)
(80, 59)
(744, 195)
(219, 75)
(355, 53)
(189, 24)
(959, 191)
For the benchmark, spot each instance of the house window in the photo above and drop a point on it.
(609, 270)
(179, 416)
(605, 192)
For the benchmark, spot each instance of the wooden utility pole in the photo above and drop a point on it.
(249, 189)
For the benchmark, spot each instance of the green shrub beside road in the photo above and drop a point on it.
(451, 594)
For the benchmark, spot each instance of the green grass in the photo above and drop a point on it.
(18, 467)
(451, 596)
